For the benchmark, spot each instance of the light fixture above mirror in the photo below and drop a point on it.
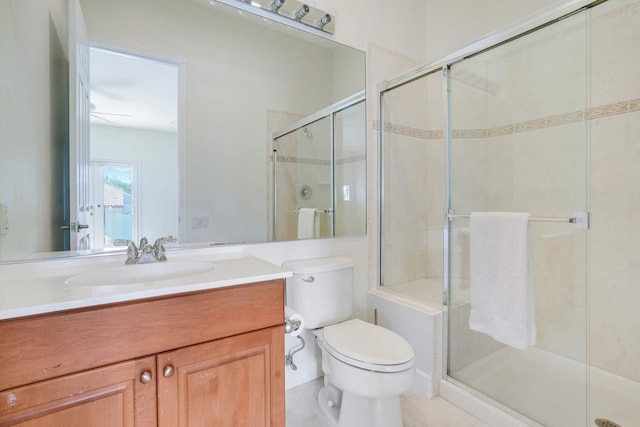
(294, 10)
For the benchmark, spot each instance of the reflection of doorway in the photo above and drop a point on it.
(115, 188)
(134, 146)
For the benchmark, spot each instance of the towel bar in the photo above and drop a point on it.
(327, 211)
(578, 220)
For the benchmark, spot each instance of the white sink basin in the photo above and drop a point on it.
(140, 273)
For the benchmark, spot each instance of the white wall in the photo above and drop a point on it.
(33, 68)
(396, 25)
(155, 153)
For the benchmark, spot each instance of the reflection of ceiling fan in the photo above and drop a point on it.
(98, 114)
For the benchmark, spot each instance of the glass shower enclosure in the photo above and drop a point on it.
(544, 119)
(319, 163)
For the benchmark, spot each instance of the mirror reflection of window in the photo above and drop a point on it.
(115, 214)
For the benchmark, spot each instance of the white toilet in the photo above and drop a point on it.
(366, 367)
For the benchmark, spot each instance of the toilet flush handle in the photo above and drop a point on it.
(309, 279)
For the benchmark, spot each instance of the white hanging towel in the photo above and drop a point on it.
(502, 297)
(308, 225)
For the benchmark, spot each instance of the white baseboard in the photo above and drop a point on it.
(308, 370)
(424, 385)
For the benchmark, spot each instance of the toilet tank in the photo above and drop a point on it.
(321, 290)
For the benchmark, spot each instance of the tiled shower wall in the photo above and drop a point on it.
(414, 181)
(614, 191)
(350, 172)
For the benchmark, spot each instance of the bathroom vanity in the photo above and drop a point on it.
(188, 357)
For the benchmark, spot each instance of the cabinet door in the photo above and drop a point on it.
(111, 396)
(232, 382)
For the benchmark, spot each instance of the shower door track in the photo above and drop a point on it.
(483, 398)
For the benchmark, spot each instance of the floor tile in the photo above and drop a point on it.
(303, 411)
(420, 412)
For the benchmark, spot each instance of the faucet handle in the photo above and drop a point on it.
(158, 247)
(124, 242)
(132, 250)
(143, 242)
(163, 240)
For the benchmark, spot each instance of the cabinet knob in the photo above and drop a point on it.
(168, 371)
(146, 377)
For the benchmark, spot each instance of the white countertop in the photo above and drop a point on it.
(26, 295)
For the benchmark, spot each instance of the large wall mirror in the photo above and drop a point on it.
(128, 118)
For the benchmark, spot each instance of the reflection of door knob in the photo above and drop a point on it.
(74, 226)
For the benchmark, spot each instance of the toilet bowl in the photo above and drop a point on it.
(366, 367)
(371, 367)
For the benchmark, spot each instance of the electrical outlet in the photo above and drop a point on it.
(199, 222)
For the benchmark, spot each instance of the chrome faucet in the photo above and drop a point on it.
(158, 247)
(132, 250)
(145, 253)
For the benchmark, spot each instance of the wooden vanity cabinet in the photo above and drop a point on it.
(220, 383)
(110, 396)
(211, 358)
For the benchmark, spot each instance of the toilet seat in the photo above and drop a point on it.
(368, 346)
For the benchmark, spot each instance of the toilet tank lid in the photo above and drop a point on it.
(318, 265)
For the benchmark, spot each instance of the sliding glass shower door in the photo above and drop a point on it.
(304, 179)
(519, 143)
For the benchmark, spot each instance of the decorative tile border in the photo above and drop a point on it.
(563, 119)
(408, 131)
(470, 133)
(352, 159)
(608, 110)
(303, 160)
(557, 120)
(501, 130)
(529, 125)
